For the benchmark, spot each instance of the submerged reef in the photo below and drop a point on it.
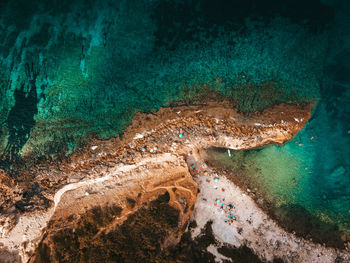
(84, 68)
(308, 178)
(108, 110)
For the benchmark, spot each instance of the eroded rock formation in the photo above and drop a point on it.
(154, 156)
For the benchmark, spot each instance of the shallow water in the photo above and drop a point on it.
(310, 172)
(92, 64)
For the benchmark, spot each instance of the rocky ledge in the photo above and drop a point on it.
(152, 172)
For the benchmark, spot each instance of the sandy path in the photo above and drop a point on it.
(30, 226)
(121, 169)
(164, 131)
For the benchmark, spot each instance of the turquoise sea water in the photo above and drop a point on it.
(306, 172)
(71, 69)
(309, 175)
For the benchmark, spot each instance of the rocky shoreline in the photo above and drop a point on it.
(155, 153)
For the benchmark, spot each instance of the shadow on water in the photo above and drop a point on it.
(179, 21)
(295, 218)
(21, 120)
(244, 171)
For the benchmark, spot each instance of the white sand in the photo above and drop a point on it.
(262, 234)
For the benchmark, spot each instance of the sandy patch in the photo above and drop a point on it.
(251, 226)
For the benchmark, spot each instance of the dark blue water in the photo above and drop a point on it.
(98, 62)
(310, 175)
(74, 69)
